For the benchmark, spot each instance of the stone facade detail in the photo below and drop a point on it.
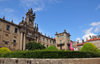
(16, 36)
(63, 40)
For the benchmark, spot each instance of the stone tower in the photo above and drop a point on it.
(62, 40)
(30, 17)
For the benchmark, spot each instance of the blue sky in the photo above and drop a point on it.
(80, 18)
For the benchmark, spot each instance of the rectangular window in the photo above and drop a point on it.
(53, 42)
(16, 30)
(47, 40)
(62, 35)
(43, 39)
(14, 42)
(8, 27)
(6, 42)
(47, 46)
(50, 41)
(60, 42)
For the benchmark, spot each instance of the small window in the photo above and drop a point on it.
(43, 39)
(60, 41)
(8, 27)
(54, 42)
(14, 42)
(6, 42)
(62, 35)
(50, 41)
(16, 30)
(47, 46)
(47, 40)
(6, 35)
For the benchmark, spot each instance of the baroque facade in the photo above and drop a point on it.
(16, 36)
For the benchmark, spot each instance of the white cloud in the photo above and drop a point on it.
(38, 9)
(87, 36)
(92, 31)
(36, 4)
(98, 7)
(9, 10)
(6, 11)
(96, 29)
(9, 14)
(95, 24)
(88, 33)
(79, 39)
(54, 1)
(88, 30)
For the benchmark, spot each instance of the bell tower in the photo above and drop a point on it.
(30, 17)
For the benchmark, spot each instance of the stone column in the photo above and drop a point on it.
(24, 42)
(21, 41)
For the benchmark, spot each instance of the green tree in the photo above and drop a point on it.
(34, 46)
(89, 47)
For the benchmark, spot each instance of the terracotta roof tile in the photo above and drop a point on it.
(79, 44)
(93, 39)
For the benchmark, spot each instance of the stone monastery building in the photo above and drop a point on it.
(15, 36)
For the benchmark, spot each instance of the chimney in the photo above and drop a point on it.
(12, 21)
(56, 32)
(64, 30)
(4, 17)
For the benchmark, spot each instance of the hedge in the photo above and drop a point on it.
(49, 54)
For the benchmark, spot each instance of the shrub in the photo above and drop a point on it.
(89, 47)
(4, 50)
(34, 46)
(49, 54)
(51, 48)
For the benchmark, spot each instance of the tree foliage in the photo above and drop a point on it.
(89, 47)
(34, 46)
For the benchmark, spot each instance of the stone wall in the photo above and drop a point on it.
(50, 61)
